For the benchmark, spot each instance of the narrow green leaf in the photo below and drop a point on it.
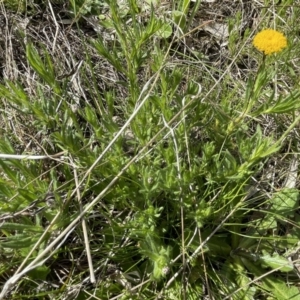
(15, 93)
(21, 227)
(44, 69)
(285, 105)
(10, 172)
(111, 56)
(19, 242)
(26, 194)
(91, 116)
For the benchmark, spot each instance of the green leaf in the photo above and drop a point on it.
(39, 273)
(216, 245)
(15, 93)
(9, 171)
(280, 290)
(179, 19)
(263, 78)
(19, 241)
(285, 202)
(236, 273)
(91, 116)
(285, 105)
(272, 284)
(110, 55)
(165, 31)
(44, 69)
(152, 27)
(185, 5)
(159, 255)
(275, 262)
(262, 149)
(21, 227)
(26, 194)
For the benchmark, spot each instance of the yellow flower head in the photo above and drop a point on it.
(269, 41)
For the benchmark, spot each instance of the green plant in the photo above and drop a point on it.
(145, 170)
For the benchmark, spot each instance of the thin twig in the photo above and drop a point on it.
(31, 157)
(85, 234)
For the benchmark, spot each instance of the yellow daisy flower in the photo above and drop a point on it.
(270, 41)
